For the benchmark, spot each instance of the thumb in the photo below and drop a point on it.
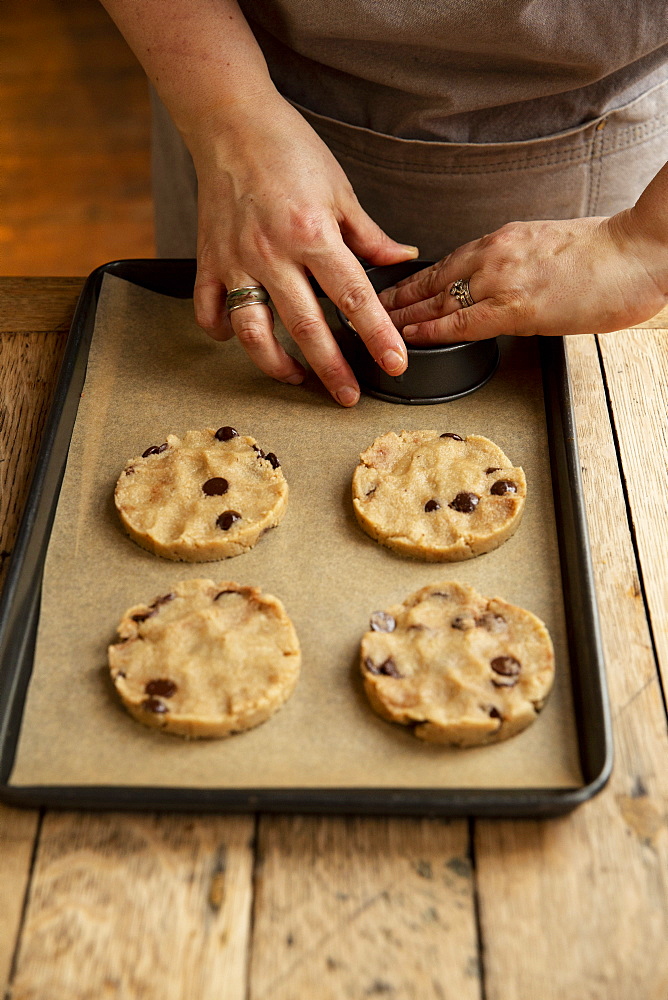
(366, 239)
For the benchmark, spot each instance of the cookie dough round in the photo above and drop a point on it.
(206, 659)
(459, 668)
(207, 496)
(439, 497)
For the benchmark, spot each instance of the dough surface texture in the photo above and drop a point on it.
(205, 659)
(203, 497)
(459, 668)
(438, 497)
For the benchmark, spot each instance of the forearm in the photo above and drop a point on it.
(202, 58)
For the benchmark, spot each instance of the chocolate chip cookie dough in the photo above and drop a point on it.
(439, 497)
(206, 659)
(459, 668)
(207, 496)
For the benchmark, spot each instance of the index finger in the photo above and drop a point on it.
(344, 281)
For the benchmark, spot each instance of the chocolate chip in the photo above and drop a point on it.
(432, 505)
(227, 519)
(388, 668)
(508, 666)
(130, 469)
(463, 622)
(492, 622)
(162, 686)
(490, 470)
(455, 437)
(215, 487)
(143, 615)
(226, 433)
(503, 486)
(120, 673)
(259, 451)
(165, 599)
(154, 705)
(155, 450)
(465, 503)
(494, 713)
(380, 621)
(273, 461)
(371, 492)
(440, 593)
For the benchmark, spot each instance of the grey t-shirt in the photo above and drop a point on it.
(462, 70)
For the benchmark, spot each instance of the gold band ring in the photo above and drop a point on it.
(247, 295)
(460, 290)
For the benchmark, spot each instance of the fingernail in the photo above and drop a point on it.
(347, 396)
(414, 251)
(409, 331)
(295, 379)
(391, 361)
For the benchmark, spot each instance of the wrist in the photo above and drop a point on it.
(232, 125)
(646, 239)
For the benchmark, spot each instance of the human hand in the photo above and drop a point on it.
(590, 275)
(274, 205)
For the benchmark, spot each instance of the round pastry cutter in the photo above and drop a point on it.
(434, 374)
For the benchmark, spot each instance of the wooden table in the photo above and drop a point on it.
(97, 905)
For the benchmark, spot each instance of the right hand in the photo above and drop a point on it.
(273, 206)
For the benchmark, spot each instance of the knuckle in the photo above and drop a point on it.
(374, 338)
(308, 227)
(513, 298)
(306, 329)
(354, 297)
(461, 323)
(443, 299)
(250, 332)
(331, 372)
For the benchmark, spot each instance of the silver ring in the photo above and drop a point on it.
(461, 291)
(246, 295)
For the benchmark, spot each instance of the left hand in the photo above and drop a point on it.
(589, 275)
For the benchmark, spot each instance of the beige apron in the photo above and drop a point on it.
(438, 195)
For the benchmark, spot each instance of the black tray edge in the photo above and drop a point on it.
(20, 602)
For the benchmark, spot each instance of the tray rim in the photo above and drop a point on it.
(19, 615)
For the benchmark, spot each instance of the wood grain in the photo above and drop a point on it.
(636, 371)
(578, 907)
(18, 829)
(28, 369)
(139, 907)
(351, 908)
(29, 304)
(658, 322)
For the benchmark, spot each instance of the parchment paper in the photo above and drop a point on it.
(152, 371)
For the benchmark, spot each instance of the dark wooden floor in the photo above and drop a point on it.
(74, 141)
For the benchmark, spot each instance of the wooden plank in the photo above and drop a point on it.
(37, 304)
(18, 828)
(146, 907)
(636, 371)
(359, 907)
(28, 367)
(28, 370)
(658, 322)
(578, 907)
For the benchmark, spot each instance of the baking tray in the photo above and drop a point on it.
(20, 603)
